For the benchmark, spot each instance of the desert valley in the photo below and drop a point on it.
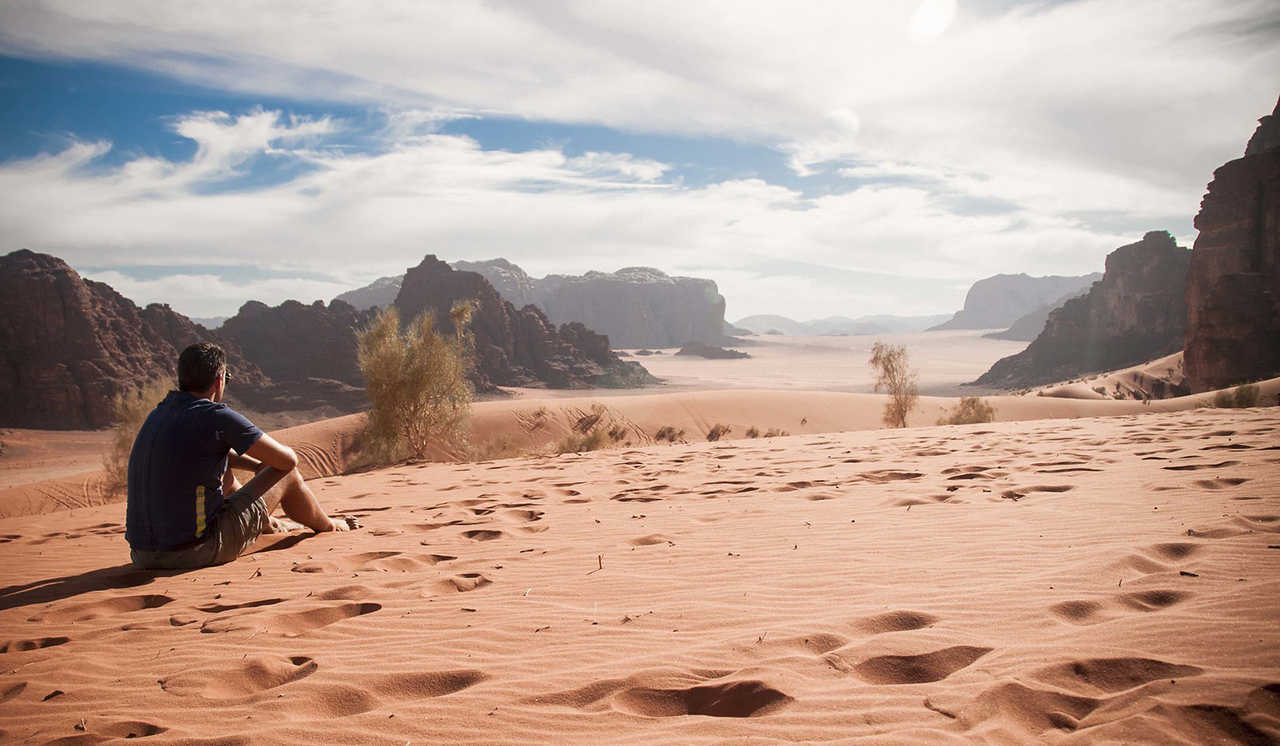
(1051, 515)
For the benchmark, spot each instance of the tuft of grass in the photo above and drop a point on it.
(129, 410)
(971, 409)
(753, 432)
(502, 446)
(1241, 397)
(669, 434)
(718, 431)
(776, 433)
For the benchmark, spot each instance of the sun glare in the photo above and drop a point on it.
(931, 19)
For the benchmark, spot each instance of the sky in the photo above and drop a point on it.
(813, 158)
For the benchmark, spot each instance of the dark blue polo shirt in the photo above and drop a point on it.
(176, 468)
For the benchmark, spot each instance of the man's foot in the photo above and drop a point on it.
(283, 526)
(344, 523)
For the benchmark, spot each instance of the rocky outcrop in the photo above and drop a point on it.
(69, 345)
(997, 302)
(1233, 292)
(511, 282)
(378, 294)
(711, 352)
(294, 342)
(1135, 313)
(515, 347)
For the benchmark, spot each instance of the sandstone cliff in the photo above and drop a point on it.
(633, 307)
(515, 347)
(1233, 292)
(1136, 312)
(293, 341)
(998, 301)
(68, 345)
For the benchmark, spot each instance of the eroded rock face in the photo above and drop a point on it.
(68, 345)
(1233, 292)
(998, 301)
(1135, 313)
(515, 347)
(293, 341)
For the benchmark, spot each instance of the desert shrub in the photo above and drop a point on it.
(500, 446)
(593, 430)
(669, 434)
(416, 378)
(894, 376)
(971, 409)
(776, 433)
(753, 432)
(1242, 396)
(128, 411)
(718, 431)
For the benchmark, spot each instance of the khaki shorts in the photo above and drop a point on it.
(237, 524)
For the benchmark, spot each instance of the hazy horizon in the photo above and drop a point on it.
(814, 160)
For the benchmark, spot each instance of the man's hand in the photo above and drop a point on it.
(273, 454)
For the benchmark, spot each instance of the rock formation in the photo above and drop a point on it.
(711, 352)
(1135, 313)
(515, 347)
(633, 307)
(68, 345)
(997, 301)
(1233, 292)
(1028, 327)
(294, 342)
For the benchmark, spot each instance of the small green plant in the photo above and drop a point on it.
(128, 410)
(718, 431)
(753, 432)
(970, 410)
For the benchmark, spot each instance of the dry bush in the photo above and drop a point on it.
(1241, 397)
(893, 375)
(669, 434)
(128, 410)
(718, 431)
(775, 432)
(753, 432)
(416, 379)
(592, 431)
(971, 409)
(500, 446)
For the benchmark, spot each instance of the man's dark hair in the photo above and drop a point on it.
(199, 366)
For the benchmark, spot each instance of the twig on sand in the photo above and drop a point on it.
(931, 706)
(600, 559)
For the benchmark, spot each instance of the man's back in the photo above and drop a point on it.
(176, 468)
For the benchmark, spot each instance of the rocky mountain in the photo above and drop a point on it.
(209, 322)
(633, 307)
(998, 301)
(68, 345)
(839, 325)
(1136, 312)
(378, 294)
(1028, 327)
(1233, 292)
(515, 347)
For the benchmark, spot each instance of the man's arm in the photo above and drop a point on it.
(272, 453)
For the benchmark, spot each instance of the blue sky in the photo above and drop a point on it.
(814, 160)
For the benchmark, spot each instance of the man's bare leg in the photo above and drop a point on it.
(288, 490)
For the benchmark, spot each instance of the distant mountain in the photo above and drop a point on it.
(380, 293)
(998, 301)
(633, 307)
(210, 322)
(839, 325)
(1028, 327)
(1136, 312)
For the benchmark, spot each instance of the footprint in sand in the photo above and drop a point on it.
(106, 607)
(256, 673)
(12, 691)
(1097, 676)
(17, 646)
(1219, 483)
(914, 669)
(1197, 467)
(463, 582)
(895, 621)
(666, 695)
(299, 623)
(650, 540)
(1032, 711)
(1085, 612)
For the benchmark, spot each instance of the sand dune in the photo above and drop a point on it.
(1100, 579)
(535, 422)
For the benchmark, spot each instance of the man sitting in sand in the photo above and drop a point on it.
(186, 509)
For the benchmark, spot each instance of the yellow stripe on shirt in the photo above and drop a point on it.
(199, 511)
